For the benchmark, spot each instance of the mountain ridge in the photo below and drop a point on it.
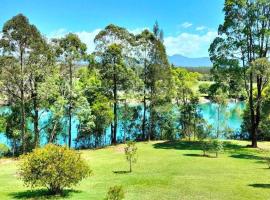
(183, 61)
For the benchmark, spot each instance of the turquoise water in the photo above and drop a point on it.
(230, 117)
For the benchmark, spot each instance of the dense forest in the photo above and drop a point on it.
(128, 78)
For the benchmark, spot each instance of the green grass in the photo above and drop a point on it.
(164, 171)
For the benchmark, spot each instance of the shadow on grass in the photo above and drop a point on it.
(247, 156)
(121, 172)
(260, 185)
(180, 145)
(199, 155)
(194, 145)
(41, 194)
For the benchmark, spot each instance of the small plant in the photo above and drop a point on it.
(267, 160)
(216, 146)
(53, 167)
(3, 150)
(115, 193)
(131, 154)
(205, 146)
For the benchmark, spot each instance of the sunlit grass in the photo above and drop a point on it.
(164, 171)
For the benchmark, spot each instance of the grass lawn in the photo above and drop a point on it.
(164, 171)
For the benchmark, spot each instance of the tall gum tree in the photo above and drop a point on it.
(243, 37)
(70, 51)
(19, 39)
(115, 54)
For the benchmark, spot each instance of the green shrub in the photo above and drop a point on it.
(115, 193)
(203, 88)
(131, 154)
(216, 146)
(205, 146)
(3, 150)
(53, 167)
(211, 146)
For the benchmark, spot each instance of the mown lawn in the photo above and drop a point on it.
(164, 171)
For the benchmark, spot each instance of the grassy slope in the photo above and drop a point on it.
(164, 171)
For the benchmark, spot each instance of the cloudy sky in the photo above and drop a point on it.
(189, 25)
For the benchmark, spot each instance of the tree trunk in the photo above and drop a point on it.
(252, 114)
(144, 103)
(130, 166)
(70, 106)
(36, 116)
(114, 107)
(144, 117)
(22, 105)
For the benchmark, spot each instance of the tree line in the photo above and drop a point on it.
(57, 80)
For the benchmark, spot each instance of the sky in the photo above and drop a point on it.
(189, 25)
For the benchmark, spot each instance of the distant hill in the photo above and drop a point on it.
(179, 60)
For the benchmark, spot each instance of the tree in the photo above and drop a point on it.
(40, 64)
(116, 76)
(115, 193)
(219, 97)
(53, 167)
(19, 40)
(243, 37)
(131, 154)
(155, 75)
(91, 84)
(114, 47)
(70, 51)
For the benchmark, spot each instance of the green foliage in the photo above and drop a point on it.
(204, 88)
(267, 160)
(4, 150)
(53, 167)
(212, 146)
(216, 146)
(131, 153)
(115, 193)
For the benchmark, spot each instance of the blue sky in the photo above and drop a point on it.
(189, 25)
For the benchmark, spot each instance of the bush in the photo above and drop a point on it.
(53, 167)
(211, 146)
(216, 146)
(267, 160)
(205, 146)
(4, 150)
(115, 193)
(204, 88)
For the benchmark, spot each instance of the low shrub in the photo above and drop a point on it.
(211, 146)
(4, 150)
(53, 167)
(216, 146)
(115, 193)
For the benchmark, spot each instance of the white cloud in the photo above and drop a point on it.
(187, 44)
(191, 45)
(186, 25)
(200, 28)
(87, 36)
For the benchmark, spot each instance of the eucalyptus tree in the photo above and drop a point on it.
(70, 51)
(144, 45)
(187, 101)
(19, 40)
(115, 54)
(116, 76)
(159, 80)
(243, 37)
(40, 64)
(91, 84)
